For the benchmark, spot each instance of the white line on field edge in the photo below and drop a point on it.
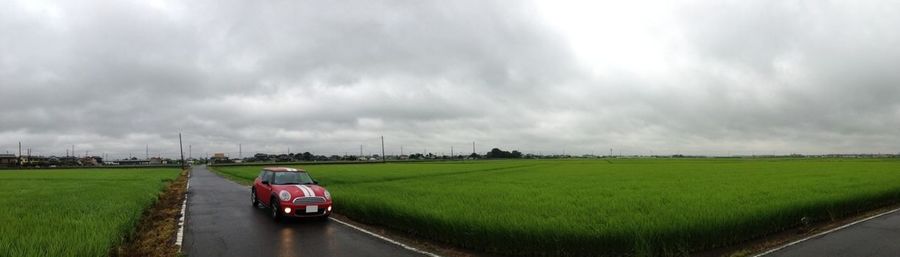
(180, 236)
(826, 232)
(386, 239)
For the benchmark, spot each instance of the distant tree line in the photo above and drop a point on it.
(496, 153)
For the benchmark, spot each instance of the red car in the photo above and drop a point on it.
(290, 192)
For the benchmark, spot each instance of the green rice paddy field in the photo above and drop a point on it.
(73, 212)
(643, 207)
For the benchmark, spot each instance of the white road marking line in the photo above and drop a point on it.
(825, 232)
(180, 236)
(386, 239)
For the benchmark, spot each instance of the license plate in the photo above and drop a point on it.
(312, 208)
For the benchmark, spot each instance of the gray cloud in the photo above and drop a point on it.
(741, 78)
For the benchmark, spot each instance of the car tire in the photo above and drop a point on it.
(274, 209)
(253, 200)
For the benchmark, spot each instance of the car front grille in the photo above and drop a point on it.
(309, 200)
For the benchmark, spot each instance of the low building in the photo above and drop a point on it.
(8, 160)
(91, 161)
(220, 158)
(69, 161)
(133, 162)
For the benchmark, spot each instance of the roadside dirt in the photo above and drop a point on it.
(157, 229)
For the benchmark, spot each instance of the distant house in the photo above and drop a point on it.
(8, 160)
(36, 161)
(220, 158)
(90, 161)
(133, 162)
(69, 161)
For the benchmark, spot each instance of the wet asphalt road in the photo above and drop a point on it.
(876, 237)
(221, 222)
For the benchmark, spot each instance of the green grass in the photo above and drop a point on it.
(643, 207)
(77, 212)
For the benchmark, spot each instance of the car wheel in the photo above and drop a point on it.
(275, 209)
(253, 200)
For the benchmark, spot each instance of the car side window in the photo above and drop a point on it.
(265, 176)
(262, 176)
(268, 176)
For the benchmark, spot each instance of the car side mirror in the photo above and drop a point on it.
(315, 182)
(265, 182)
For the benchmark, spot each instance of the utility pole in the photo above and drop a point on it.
(181, 149)
(147, 152)
(473, 146)
(20, 149)
(360, 150)
(190, 152)
(383, 159)
(240, 152)
(451, 151)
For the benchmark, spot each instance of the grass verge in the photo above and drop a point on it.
(156, 231)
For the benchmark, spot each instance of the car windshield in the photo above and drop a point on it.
(289, 178)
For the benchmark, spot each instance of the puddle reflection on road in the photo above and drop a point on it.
(286, 246)
(291, 235)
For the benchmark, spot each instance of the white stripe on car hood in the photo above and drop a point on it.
(307, 192)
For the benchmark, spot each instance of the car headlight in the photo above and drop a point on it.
(327, 194)
(284, 195)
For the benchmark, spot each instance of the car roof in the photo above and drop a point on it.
(283, 169)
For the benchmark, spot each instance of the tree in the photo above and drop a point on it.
(496, 153)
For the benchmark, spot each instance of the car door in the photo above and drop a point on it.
(264, 190)
(257, 183)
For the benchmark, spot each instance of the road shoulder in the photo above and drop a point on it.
(158, 227)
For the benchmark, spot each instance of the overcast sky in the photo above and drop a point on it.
(641, 77)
